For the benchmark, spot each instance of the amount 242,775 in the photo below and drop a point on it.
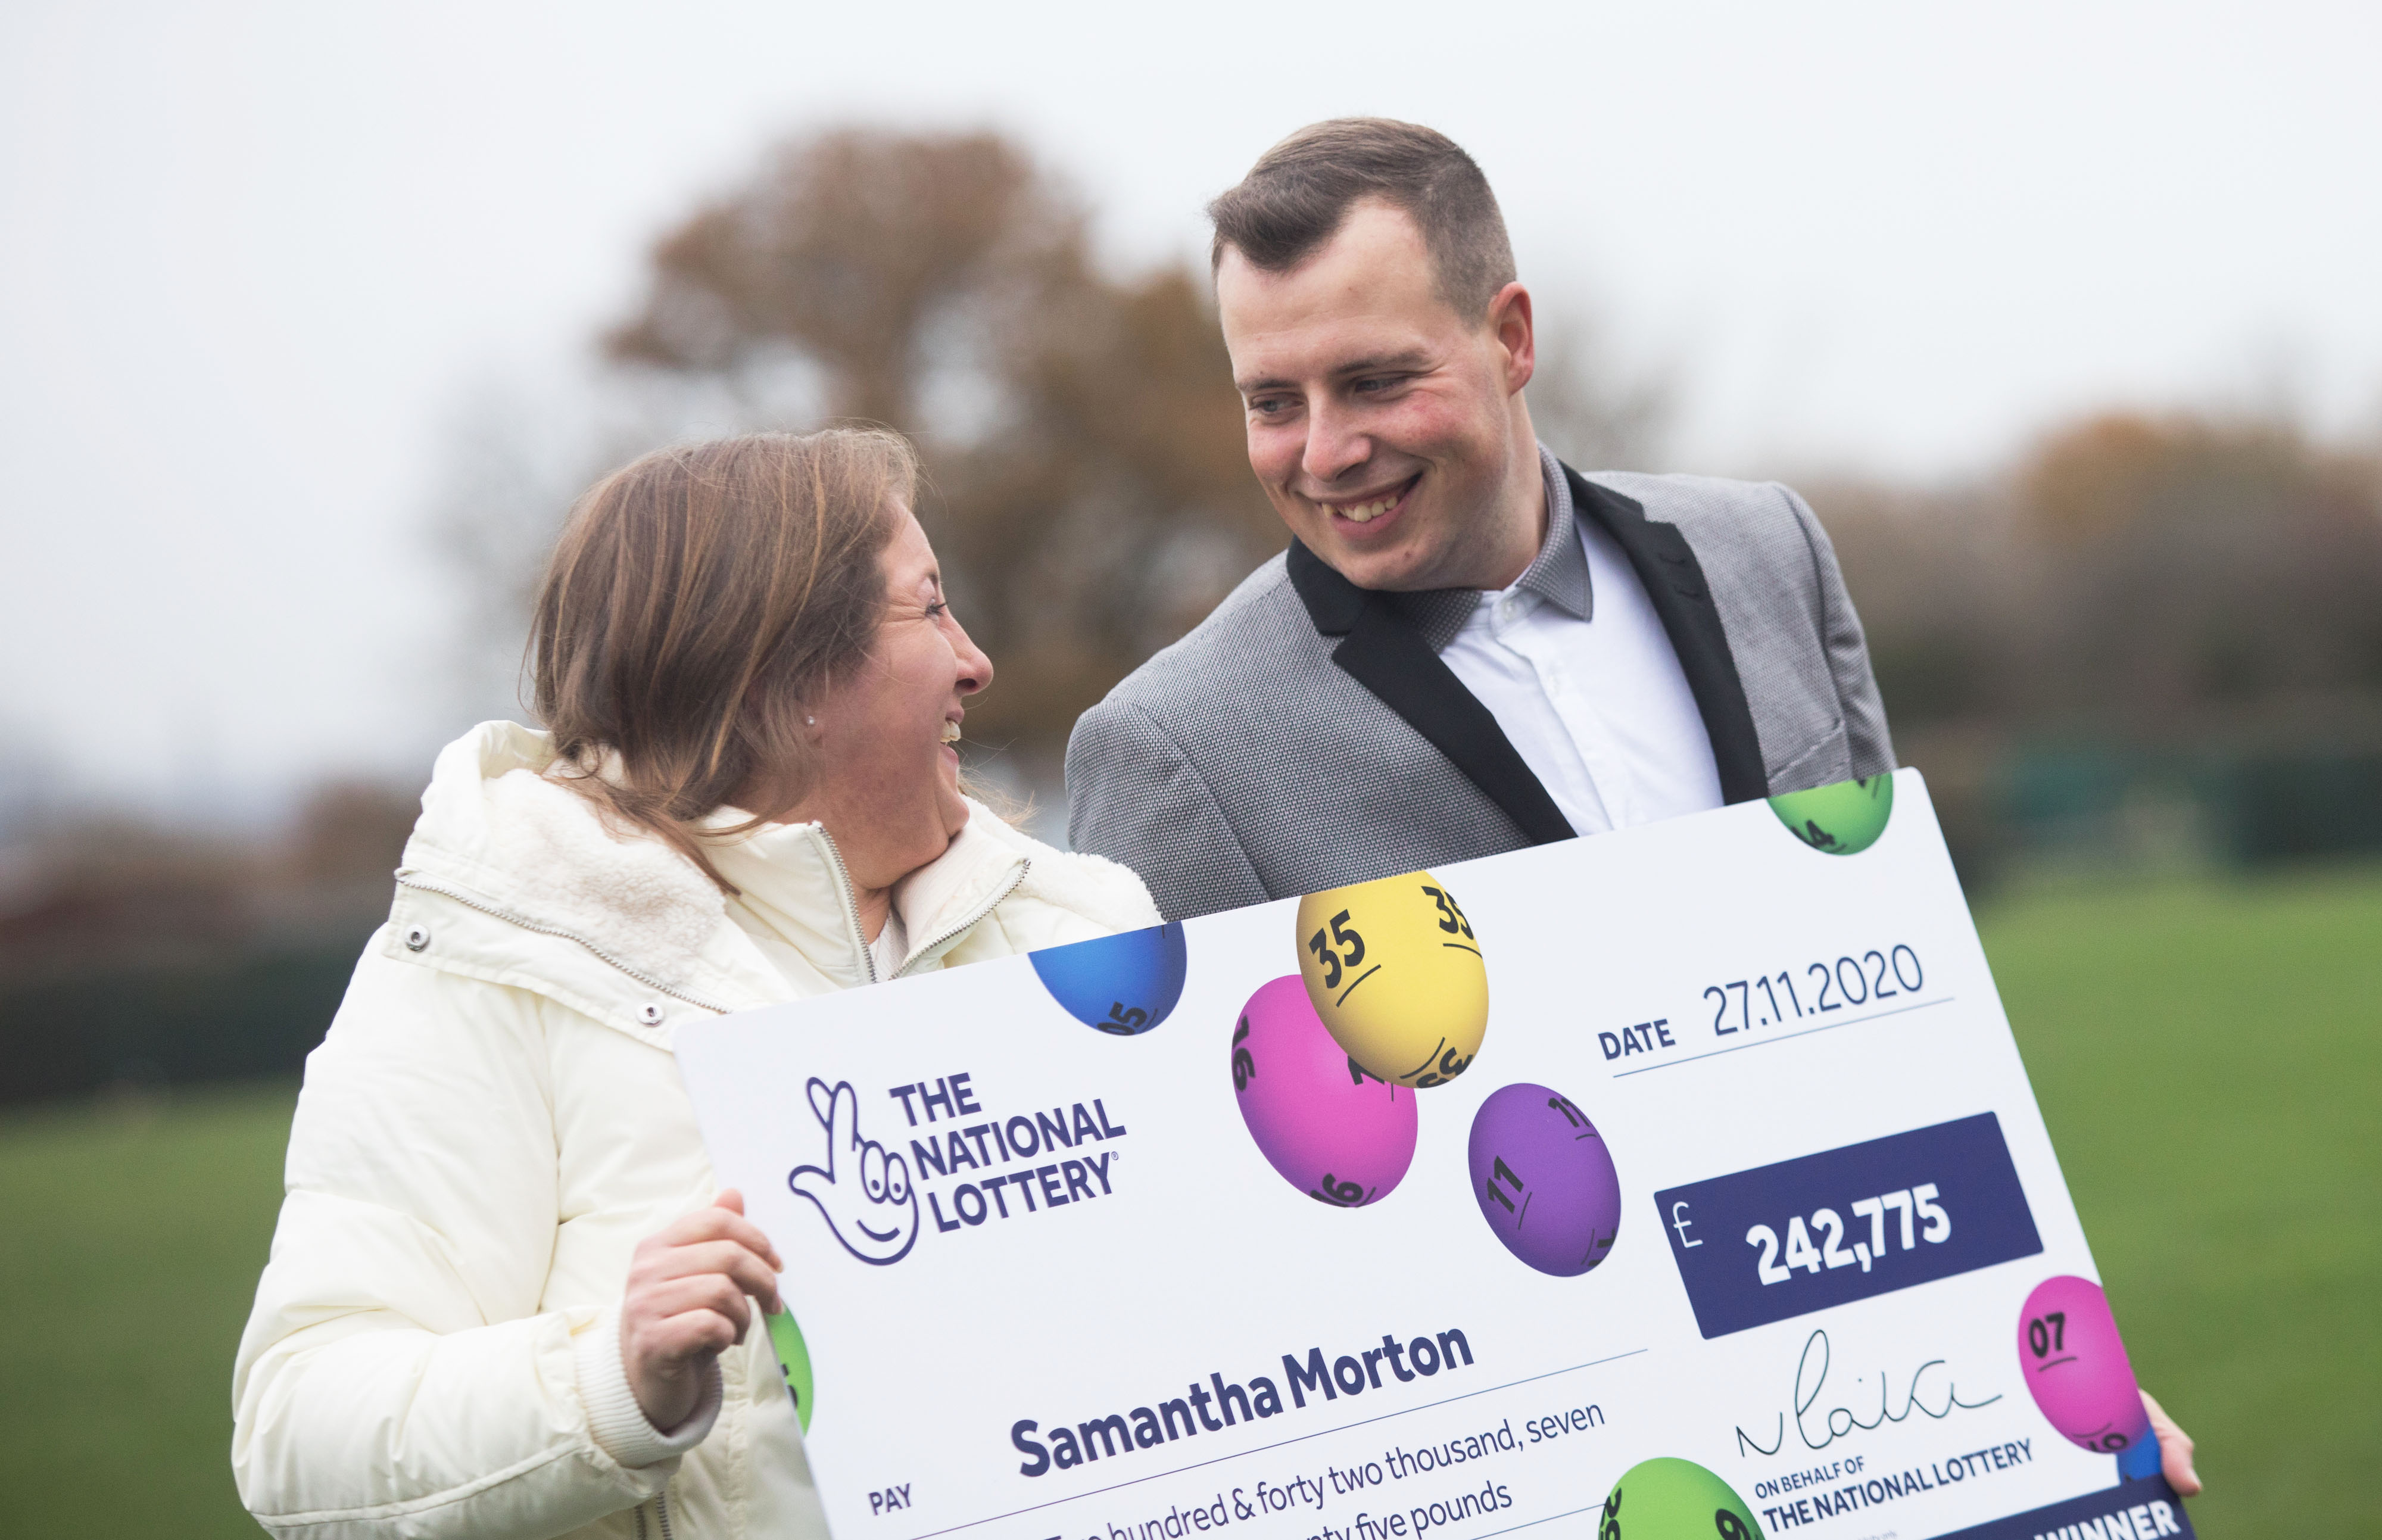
(1935, 1227)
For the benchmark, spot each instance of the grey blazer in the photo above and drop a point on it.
(1306, 733)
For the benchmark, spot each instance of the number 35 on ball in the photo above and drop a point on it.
(1395, 973)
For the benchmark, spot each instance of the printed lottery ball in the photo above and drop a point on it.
(1123, 984)
(2076, 1366)
(1673, 1499)
(1395, 973)
(2140, 1459)
(1544, 1179)
(1843, 819)
(794, 1360)
(1335, 1133)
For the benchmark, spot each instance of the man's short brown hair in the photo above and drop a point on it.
(1298, 194)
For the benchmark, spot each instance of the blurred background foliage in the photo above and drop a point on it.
(2153, 643)
(2138, 663)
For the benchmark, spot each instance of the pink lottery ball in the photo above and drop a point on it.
(2076, 1366)
(1334, 1132)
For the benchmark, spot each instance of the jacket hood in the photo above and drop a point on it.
(503, 833)
(495, 822)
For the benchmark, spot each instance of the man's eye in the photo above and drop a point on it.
(940, 607)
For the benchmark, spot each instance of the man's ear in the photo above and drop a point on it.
(1510, 324)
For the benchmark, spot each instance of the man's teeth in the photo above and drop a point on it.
(1366, 512)
(950, 733)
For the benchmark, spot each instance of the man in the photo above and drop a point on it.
(1469, 648)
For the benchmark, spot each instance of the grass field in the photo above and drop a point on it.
(2210, 1063)
(2209, 1060)
(136, 1239)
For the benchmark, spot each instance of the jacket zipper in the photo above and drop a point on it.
(851, 905)
(408, 880)
(1016, 880)
(843, 891)
(661, 1511)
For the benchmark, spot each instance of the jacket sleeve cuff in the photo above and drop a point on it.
(614, 1418)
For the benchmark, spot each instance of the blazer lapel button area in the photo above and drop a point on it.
(1674, 583)
(1383, 651)
(1683, 576)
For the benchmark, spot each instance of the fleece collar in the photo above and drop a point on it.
(793, 884)
(500, 831)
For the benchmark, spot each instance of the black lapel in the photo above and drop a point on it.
(1381, 650)
(1675, 581)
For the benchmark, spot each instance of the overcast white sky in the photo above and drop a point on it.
(255, 258)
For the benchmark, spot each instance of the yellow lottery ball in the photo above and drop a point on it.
(1395, 973)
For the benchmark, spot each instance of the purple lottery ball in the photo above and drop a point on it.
(1334, 1131)
(1544, 1179)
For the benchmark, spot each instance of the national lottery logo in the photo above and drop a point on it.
(966, 1165)
(863, 1193)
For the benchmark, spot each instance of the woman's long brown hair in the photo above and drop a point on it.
(697, 596)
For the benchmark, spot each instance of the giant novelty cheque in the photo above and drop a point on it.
(1681, 1182)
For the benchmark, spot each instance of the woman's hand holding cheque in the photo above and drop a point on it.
(686, 1303)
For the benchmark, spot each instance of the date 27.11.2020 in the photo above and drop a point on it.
(1878, 974)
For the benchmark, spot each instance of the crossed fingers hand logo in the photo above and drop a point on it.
(863, 1193)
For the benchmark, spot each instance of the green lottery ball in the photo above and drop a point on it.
(1842, 820)
(794, 1359)
(1673, 1499)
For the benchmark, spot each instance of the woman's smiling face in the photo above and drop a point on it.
(884, 734)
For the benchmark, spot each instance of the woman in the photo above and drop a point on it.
(505, 1298)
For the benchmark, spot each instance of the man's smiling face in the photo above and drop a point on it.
(1386, 428)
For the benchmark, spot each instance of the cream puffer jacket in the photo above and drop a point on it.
(495, 1121)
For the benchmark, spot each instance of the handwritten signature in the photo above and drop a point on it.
(1838, 1421)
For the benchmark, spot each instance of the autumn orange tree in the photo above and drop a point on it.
(1089, 492)
(2192, 566)
(2133, 576)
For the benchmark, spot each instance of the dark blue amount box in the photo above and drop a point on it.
(1783, 1241)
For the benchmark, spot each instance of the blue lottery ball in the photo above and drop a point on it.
(2139, 1460)
(1123, 984)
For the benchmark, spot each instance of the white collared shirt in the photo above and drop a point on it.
(1596, 704)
